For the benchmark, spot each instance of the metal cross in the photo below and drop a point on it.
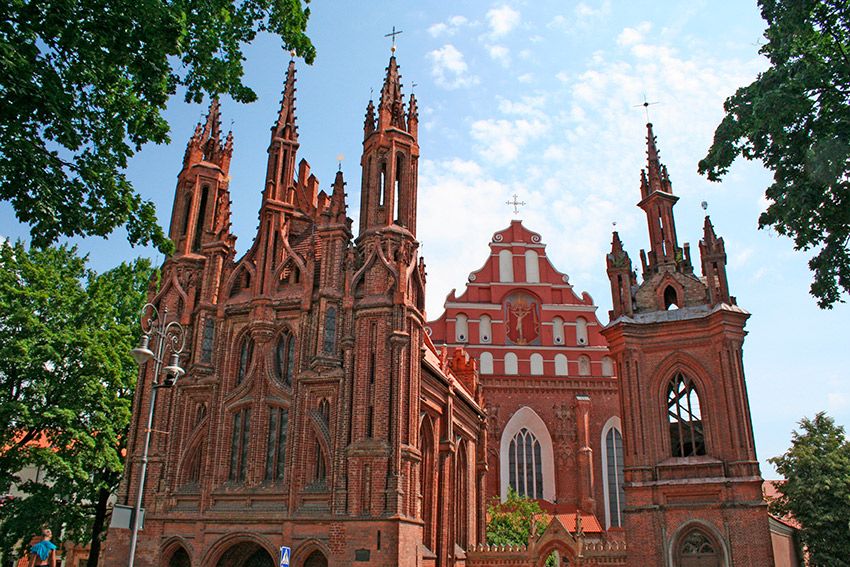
(645, 104)
(516, 204)
(393, 34)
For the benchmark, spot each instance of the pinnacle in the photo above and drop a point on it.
(285, 126)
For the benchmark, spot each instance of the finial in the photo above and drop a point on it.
(393, 34)
(339, 159)
(704, 205)
(516, 203)
(292, 54)
(645, 104)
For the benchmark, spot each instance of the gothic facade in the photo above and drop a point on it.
(322, 412)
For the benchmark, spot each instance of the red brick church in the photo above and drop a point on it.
(321, 411)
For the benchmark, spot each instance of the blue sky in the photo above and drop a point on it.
(538, 99)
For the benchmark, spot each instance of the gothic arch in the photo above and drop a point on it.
(688, 366)
(173, 546)
(662, 294)
(613, 423)
(235, 276)
(527, 418)
(217, 550)
(196, 439)
(427, 447)
(306, 549)
(706, 529)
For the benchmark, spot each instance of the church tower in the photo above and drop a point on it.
(692, 482)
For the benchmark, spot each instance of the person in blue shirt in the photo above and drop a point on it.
(43, 554)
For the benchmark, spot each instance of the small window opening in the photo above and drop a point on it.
(199, 226)
(671, 298)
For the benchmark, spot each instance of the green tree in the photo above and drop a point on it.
(512, 522)
(795, 118)
(816, 491)
(83, 84)
(66, 388)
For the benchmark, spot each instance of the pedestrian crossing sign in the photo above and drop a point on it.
(285, 552)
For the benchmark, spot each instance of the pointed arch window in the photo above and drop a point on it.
(285, 357)
(199, 225)
(246, 354)
(276, 447)
(671, 298)
(687, 437)
(612, 473)
(525, 465)
(696, 548)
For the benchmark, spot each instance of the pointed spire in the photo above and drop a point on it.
(337, 208)
(205, 143)
(413, 116)
(285, 127)
(369, 122)
(656, 178)
(391, 107)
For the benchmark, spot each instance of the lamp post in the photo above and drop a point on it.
(163, 336)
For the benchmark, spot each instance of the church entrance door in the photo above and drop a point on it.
(246, 554)
(316, 559)
(180, 559)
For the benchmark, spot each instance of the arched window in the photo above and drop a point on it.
(510, 363)
(525, 465)
(557, 330)
(687, 437)
(584, 365)
(536, 364)
(246, 354)
(427, 477)
(462, 490)
(697, 550)
(607, 366)
(485, 329)
(526, 457)
(276, 447)
(240, 437)
(329, 343)
(461, 328)
(285, 357)
(612, 473)
(199, 226)
(486, 363)
(207, 340)
(581, 331)
(671, 298)
(325, 411)
(532, 267)
(187, 212)
(506, 266)
(561, 365)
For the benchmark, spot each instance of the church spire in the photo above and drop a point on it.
(654, 177)
(206, 144)
(283, 146)
(391, 108)
(286, 127)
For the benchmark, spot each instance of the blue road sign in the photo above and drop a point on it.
(285, 552)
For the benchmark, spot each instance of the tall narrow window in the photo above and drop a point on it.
(612, 474)
(461, 328)
(187, 213)
(276, 448)
(246, 354)
(207, 340)
(506, 266)
(194, 468)
(511, 363)
(581, 331)
(329, 343)
(526, 465)
(462, 495)
(532, 267)
(239, 445)
(557, 330)
(485, 329)
(687, 437)
(486, 363)
(382, 188)
(399, 163)
(285, 357)
(321, 471)
(202, 215)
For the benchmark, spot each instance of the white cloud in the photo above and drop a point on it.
(449, 68)
(526, 78)
(502, 20)
(501, 140)
(586, 11)
(631, 36)
(500, 53)
(449, 27)
(837, 401)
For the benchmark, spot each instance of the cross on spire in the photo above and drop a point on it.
(393, 34)
(516, 203)
(645, 104)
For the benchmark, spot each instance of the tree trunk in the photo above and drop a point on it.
(97, 526)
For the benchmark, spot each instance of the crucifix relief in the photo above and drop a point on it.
(522, 319)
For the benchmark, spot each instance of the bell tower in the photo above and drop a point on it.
(692, 482)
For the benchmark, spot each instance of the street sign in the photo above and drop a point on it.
(285, 552)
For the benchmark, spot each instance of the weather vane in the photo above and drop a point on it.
(645, 104)
(393, 34)
(516, 203)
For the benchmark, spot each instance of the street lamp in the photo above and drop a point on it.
(166, 336)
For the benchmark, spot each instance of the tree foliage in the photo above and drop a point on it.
(83, 84)
(795, 118)
(513, 521)
(817, 489)
(66, 388)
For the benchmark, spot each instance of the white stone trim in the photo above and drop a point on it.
(528, 418)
